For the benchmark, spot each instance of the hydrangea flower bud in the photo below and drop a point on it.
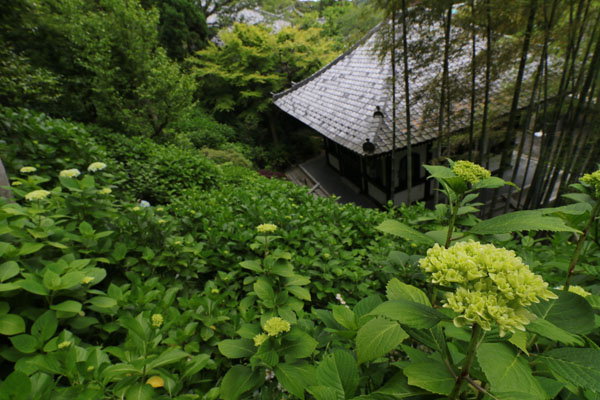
(470, 172)
(274, 326)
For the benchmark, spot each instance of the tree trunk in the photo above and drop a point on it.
(509, 137)
(473, 78)
(407, 103)
(483, 140)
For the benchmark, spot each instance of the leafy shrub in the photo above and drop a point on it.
(226, 156)
(157, 172)
(30, 138)
(202, 130)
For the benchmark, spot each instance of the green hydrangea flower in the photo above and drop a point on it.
(579, 291)
(470, 172)
(260, 339)
(266, 228)
(592, 180)
(493, 285)
(274, 326)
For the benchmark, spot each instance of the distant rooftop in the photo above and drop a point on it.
(339, 101)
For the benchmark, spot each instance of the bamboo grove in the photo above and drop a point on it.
(546, 134)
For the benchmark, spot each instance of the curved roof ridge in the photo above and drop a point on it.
(331, 64)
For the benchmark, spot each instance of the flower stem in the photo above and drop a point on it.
(464, 372)
(580, 242)
(452, 222)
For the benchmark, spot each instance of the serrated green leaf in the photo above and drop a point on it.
(295, 377)
(297, 344)
(16, 386)
(25, 343)
(299, 292)
(8, 270)
(102, 301)
(507, 370)
(345, 317)
(252, 265)
(549, 330)
(578, 366)
(397, 290)
(517, 221)
(118, 371)
(237, 348)
(366, 305)
(263, 289)
(167, 357)
(239, 380)
(569, 312)
(339, 371)
(30, 248)
(378, 337)
(70, 306)
(139, 391)
(432, 376)
(321, 392)
(44, 326)
(11, 324)
(409, 313)
(397, 228)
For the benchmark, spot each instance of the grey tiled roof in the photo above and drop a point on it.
(339, 100)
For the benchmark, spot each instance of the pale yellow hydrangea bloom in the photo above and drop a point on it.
(64, 345)
(87, 280)
(16, 183)
(96, 166)
(37, 195)
(260, 339)
(266, 228)
(157, 320)
(470, 172)
(70, 173)
(579, 290)
(136, 208)
(27, 170)
(492, 284)
(105, 191)
(275, 325)
(593, 180)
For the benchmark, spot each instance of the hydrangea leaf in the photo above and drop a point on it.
(295, 377)
(433, 376)
(339, 371)
(517, 221)
(414, 315)
(578, 366)
(507, 371)
(236, 348)
(378, 337)
(397, 228)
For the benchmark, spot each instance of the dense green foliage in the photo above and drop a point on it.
(141, 258)
(120, 298)
(237, 78)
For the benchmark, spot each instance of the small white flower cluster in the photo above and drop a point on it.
(339, 298)
(269, 375)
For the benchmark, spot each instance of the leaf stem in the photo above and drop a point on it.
(580, 242)
(452, 222)
(464, 372)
